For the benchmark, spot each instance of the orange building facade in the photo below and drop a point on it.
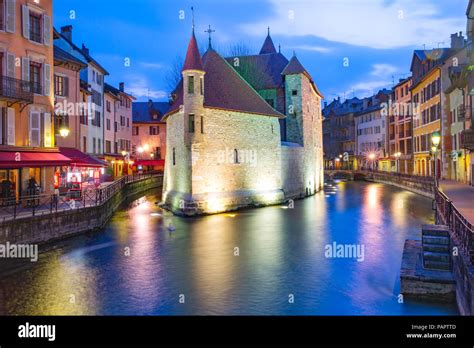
(26, 98)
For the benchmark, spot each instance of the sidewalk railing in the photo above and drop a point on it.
(42, 204)
(461, 229)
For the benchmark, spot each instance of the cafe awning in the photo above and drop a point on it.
(149, 163)
(32, 159)
(81, 159)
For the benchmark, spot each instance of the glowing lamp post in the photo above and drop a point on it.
(435, 141)
(372, 160)
(64, 132)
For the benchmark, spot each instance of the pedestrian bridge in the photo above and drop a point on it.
(345, 174)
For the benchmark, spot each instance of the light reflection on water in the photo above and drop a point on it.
(247, 262)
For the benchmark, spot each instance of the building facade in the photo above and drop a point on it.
(400, 128)
(26, 98)
(426, 92)
(149, 135)
(340, 133)
(371, 132)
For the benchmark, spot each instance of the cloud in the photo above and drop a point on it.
(320, 49)
(383, 70)
(140, 88)
(381, 77)
(370, 23)
(149, 65)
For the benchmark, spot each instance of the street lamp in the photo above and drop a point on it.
(435, 140)
(64, 132)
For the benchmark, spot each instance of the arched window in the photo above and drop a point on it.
(174, 156)
(236, 156)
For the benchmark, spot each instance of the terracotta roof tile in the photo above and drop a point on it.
(193, 58)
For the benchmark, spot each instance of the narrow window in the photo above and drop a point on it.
(202, 125)
(191, 84)
(191, 123)
(174, 156)
(202, 86)
(236, 156)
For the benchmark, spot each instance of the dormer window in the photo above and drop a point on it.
(190, 84)
(154, 116)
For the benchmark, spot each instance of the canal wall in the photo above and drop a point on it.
(420, 185)
(57, 225)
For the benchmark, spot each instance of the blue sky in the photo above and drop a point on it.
(376, 36)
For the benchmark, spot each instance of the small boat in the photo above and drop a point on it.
(171, 228)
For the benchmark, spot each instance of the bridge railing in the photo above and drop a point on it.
(461, 230)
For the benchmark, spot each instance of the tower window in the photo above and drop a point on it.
(174, 156)
(201, 81)
(236, 156)
(202, 124)
(191, 84)
(191, 123)
(294, 92)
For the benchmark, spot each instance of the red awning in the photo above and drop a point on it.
(149, 163)
(33, 159)
(81, 159)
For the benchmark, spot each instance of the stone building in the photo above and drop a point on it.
(246, 131)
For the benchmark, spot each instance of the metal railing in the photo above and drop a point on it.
(43, 204)
(461, 230)
(12, 88)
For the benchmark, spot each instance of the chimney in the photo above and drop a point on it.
(122, 86)
(85, 49)
(66, 31)
(457, 41)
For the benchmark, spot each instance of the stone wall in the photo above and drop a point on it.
(218, 183)
(46, 228)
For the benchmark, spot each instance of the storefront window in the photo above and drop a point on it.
(9, 184)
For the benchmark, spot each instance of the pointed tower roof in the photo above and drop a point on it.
(294, 67)
(225, 89)
(193, 58)
(268, 46)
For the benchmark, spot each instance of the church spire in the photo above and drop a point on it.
(268, 46)
(193, 58)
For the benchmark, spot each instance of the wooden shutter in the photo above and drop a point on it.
(66, 86)
(47, 130)
(25, 68)
(47, 30)
(10, 65)
(47, 79)
(25, 11)
(2, 122)
(11, 126)
(10, 16)
(35, 128)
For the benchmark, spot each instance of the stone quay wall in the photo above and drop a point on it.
(421, 185)
(49, 227)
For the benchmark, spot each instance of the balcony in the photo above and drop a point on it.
(16, 91)
(467, 139)
(461, 113)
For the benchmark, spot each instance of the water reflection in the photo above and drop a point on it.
(247, 262)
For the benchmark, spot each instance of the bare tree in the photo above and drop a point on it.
(173, 75)
(239, 49)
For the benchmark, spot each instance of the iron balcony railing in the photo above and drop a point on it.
(14, 89)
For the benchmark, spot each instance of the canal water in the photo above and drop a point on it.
(269, 261)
